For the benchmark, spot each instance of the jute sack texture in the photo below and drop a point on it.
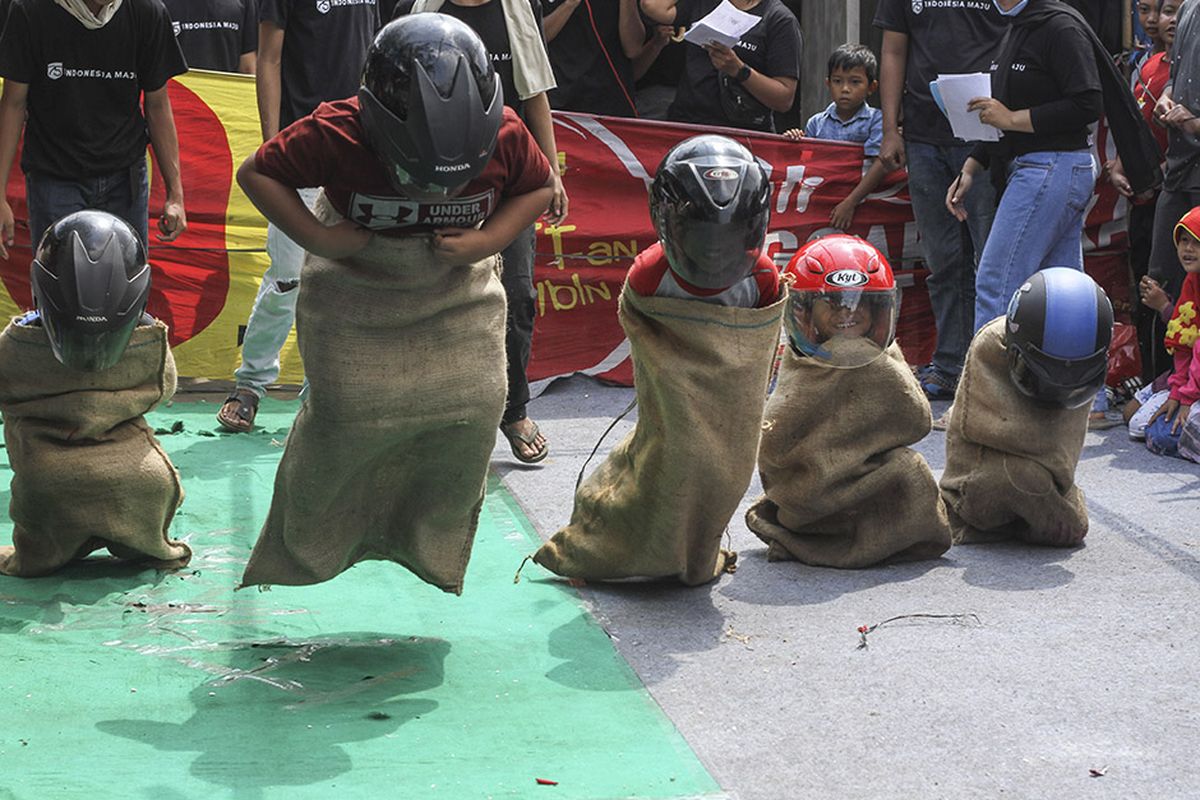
(87, 470)
(842, 487)
(1010, 464)
(387, 458)
(659, 504)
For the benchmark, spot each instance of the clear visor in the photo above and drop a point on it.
(89, 352)
(844, 328)
(427, 192)
(1057, 382)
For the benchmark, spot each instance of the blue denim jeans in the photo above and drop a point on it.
(124, 194)
(951, 248)
(1038, 224)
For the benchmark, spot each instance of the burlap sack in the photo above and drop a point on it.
(842, 488)
(87, 470)
(1010, 464)
(658, 506)
(388, 455)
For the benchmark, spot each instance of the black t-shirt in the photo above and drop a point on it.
(1054, 75)
(771, 47)
(587, 81)
(214, 34)
(85, 86)
(488, 21)
(324, 46)
(944, 38)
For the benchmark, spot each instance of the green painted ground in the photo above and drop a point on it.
(125, 683)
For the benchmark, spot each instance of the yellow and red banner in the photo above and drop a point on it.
(205, 282)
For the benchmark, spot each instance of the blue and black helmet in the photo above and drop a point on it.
(1057, 331)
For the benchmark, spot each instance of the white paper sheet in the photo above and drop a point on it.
(725, 25)
(956, 92)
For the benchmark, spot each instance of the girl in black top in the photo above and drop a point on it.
(1046, 94)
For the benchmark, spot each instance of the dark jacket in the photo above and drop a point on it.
(1139, 153)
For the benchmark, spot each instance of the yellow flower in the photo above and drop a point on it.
(1186, 312)
(1174, 327)
(1188, 336)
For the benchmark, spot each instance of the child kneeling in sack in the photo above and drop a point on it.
(701, 309)
(841, 486)
(76, 377)
(1021, 411)
(426, 176)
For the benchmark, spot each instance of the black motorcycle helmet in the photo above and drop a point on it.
(90, 285)
(430, 103)
(1057, 332)
(710, 205)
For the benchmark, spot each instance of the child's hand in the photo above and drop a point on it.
(843, 215)
(1172, 410)
(339, 241)
(1152, 294)
(458, 246)
(795, 134)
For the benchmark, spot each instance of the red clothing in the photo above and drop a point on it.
(329, 148)
(1183, 342)
(1152, 79)
(651, 276)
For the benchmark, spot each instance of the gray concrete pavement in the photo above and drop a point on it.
(1080, 660)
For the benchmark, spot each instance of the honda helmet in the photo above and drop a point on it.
(710, 205)
(430, 103)
(90, 285)
(1057, 332)
(843, 302)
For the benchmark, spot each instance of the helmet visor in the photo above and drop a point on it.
(89, 352)
(709, 254)
(843, 329)
(1057, 382)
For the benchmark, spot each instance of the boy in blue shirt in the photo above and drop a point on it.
(851, 76)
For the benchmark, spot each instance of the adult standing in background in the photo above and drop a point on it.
(512, 32)
(309, 52)
(92, 79)
(220, 35)
(595, 49)
(738, 87)
(921, 41)
(1177, 108)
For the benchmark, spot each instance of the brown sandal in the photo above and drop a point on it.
(513, 437)
(239, 411)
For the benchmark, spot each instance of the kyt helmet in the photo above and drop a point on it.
(1057, 332)
(843, 302)
(430, 103)
(90, 285)
(710, 205)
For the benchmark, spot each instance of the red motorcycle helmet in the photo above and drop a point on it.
(843, 302)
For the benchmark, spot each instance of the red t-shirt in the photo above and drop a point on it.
(1152, 79)
(651, 276)
(329, 148)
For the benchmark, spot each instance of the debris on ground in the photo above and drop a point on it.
(959, 619)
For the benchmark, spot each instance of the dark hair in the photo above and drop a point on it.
(849, 56)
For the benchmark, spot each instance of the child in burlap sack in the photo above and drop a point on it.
(701, 309)
(1021, 412)
(841, 486)
(425, 176)
(76, 377)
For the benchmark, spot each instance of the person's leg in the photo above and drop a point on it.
(267, 329)
(49, 200)
(944, 243)
(1040, 215)
(527, 441)
(126, 194)
(1141, 232)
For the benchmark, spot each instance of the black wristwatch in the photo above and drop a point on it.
(742, 74)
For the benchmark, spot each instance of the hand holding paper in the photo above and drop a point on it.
(725, 26)
(956, 93)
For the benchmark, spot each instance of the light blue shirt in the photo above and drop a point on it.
(865, 127)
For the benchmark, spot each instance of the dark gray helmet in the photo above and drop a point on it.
(90, 283)
(430, 103)
(710, 204)
(1057, 332)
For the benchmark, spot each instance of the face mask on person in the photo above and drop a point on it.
(1012, 12)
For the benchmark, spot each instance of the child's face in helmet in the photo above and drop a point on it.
(841, 314)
